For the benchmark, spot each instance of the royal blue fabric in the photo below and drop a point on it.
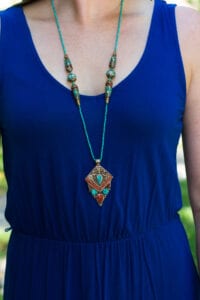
(63, 245)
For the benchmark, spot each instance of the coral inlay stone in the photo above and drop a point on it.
(100, 198)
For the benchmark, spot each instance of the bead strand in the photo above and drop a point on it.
(72, 79)
(110, 76)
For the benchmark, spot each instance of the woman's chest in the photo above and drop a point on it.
(90, 50)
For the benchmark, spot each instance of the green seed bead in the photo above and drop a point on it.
(71, 77)
(110, 74)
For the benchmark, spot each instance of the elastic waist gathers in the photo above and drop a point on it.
(162, 228)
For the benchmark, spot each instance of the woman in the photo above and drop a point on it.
(93, 192)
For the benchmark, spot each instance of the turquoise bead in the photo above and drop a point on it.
(99, 178)
(71, 77)
(110, 74)
(94, 192)
(67, 62)
(105, 191)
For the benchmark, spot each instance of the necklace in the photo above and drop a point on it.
(98, 179)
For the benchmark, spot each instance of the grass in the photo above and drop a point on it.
(4, 237)
(3, 183)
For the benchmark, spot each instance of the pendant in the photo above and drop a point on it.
(99, 182)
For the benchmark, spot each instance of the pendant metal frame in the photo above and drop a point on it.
(99, 183)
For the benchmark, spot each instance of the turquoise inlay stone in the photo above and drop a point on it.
(94, 192)
(105, 191)
(71, 77)
(99, 178)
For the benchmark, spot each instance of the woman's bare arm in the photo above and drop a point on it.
(188, 21)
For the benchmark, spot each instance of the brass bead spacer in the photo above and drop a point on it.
(107, 100)
(78, 102)
(68, 64)
(109, 83)
(113, 60)
(75, 92)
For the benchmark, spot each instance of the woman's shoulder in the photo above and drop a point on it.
(188, 27)
(188, 19)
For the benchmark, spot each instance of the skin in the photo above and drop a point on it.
(189, 33)
(89, 28)
(95, 22)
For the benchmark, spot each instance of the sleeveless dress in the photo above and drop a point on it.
(63, 245)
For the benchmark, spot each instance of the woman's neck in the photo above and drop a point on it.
(87, 11)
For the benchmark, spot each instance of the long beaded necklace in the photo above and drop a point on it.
(98, 179)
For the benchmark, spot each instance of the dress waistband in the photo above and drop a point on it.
(137, 235)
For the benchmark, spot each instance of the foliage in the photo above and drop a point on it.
(187, 219)
(3, 183)
(195, 3)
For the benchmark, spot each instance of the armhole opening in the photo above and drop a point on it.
(179, 53)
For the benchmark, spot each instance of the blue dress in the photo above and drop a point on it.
(63, 245)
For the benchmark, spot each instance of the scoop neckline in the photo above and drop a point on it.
(57, 83)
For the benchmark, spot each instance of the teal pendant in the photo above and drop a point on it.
(99, 183)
